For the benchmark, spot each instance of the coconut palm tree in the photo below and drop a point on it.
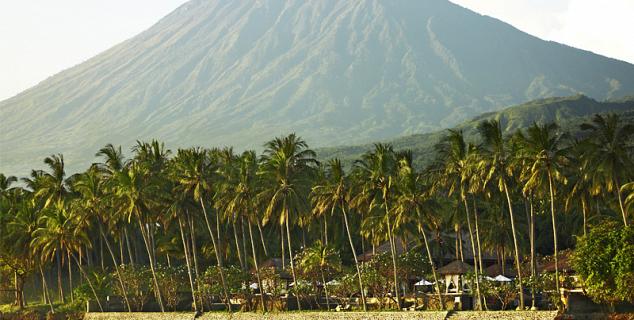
(376, 172)
(322, 258)
(134, 193)
(416, 204)
(495, 163)
(287, 165)
(453, 153)
(90, 203)
(62, 231)
(543, 148)
(608, 153)
(334, 194)
(193, 173)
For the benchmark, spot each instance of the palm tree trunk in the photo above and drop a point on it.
(618, 195)
(47, 296)
(116, 268)
(266, 253)
(146, 241)
(60, 289)
(282, 246)
(243, 237)
(552, 213)
(121, 247)
(356, 261)
(531, 224)
(473, 251)
(433, 269)
(238, 250)
(192, 233)
(323, 281)
(92, 288)
(393, 250)
(127, 242)
(257, 269)
(290, 253)
(70, 278)
(517, 254)
(218, 257)
(584, 209)
(101, 259)
(189, 268)
(477, 231)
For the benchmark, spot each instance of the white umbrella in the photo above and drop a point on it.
(253, 286)
(423, 282)
(501, 278)
(489, 278)
(333, 282)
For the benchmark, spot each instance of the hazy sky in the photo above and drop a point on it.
(39, 38)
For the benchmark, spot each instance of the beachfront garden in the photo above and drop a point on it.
(500, 222)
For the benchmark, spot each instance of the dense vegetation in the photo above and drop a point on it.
(207, 219)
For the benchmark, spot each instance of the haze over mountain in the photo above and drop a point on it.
(336, 72)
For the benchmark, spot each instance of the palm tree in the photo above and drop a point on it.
(608, 154)
(542, 146)
(193, 172)
(134, 193)
(495, 163)
(320, 257)
(415, 203)
(334, 194)
(90, 186)
(62, 231)
(287, 164)
(376, 173)
(456, 173)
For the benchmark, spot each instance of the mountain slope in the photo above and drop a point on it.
(237, 73)
(567, 112)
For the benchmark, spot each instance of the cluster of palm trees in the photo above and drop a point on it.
(200, 207)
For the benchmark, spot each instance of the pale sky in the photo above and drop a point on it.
(39, 38)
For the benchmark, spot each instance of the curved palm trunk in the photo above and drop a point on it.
(146, 241)
(47, 296)
(116, 268)
(393, 250)
(266, 253)
(218, 257)
(70, 278)
(477, 231)
(290, 254)
(516, 247)
(92, 288)
(257, 269)
(323, 281)
(473, 251)
(235, 237)
(433, 269)
(188, 264)
(618, 195)
(552, 213)
(356, 261)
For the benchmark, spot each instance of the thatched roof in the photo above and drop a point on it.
(496, 269)
(564, 263)
(455, 267)
(385, 248)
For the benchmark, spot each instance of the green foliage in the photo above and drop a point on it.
(137, 281)
(604, 259)
(172, 280)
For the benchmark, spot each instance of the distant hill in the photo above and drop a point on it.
(217, 72)
(567, 112)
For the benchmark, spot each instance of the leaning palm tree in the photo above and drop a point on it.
(416, 204)
(91, 205)
(453, 154)
(376, 173)
(334, 194)
(287, 165)
(192, 173)
(608, 153)
(62, 231)
(134, 196)
(542, 147)
(495, 164)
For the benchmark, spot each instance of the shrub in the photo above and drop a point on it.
(137, 281)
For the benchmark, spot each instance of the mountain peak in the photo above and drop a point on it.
(239, 72)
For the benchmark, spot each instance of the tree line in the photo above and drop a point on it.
(519, 195)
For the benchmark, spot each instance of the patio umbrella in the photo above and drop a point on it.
(501, 278)
(423, 282)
